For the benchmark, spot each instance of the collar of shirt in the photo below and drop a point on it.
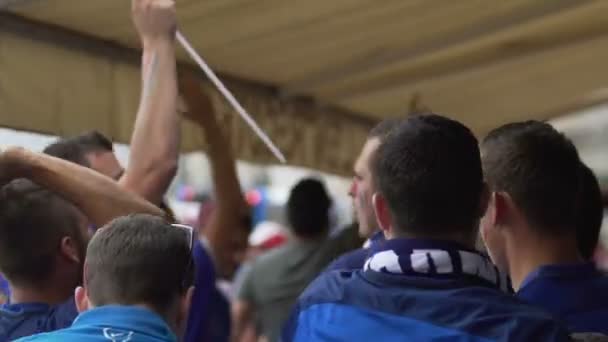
(575, 270)
(117, 320)
(434, 259)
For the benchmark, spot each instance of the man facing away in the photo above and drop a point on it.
(132, 291)
(44, 227)
(275, 280)
(361, 191)
(426, 282)
(533, 220)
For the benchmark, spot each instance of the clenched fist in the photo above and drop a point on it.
(154, 19)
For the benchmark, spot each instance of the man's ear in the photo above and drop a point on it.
(69, 249)
(82, 299)
(383, 215)
(502, 206)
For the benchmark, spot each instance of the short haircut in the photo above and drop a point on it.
(33, 222)
(590, 213)
(138, 259)
(539, 168)
(308, 208)
(429, 172)
(76, 148)
(384, 128)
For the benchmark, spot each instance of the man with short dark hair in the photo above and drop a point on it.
(426, 282)
(590, 214)
(132, 290)
(275, 280)
(533, 225)
(361, 191)
(44, 227)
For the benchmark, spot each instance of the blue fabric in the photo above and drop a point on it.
(397, 299)
(204, 282)
(355, 259)
(5, 290)
(18, 320)
(111, 323)
(576, 293)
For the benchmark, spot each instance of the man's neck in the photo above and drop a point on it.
(51, 296)
(461, 239)
(529, 254)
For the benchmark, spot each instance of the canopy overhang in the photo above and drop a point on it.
(316, 74)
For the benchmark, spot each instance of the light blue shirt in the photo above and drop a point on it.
(111, 323)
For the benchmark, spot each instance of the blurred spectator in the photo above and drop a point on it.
(275, 280)
(542, 222)
(425, 282)
(266, 236)
(225, 226)
(131, 290)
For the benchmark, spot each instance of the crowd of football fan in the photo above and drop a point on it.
(455, 239)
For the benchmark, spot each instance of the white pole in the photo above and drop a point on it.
(229, 97)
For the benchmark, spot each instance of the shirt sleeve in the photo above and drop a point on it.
(245, 290)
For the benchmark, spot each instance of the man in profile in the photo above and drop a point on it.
(132, 290)
(361, 191)
(534, 227)
(426, 282)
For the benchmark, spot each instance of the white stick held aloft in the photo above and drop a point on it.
(229, 97)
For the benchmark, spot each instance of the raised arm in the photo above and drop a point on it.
(156, 138)
(228, 227)
(100, 198)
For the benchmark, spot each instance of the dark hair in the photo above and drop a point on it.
(539, 168)
(429, 172)
(308, 208)
(138, 259)
(384, 128)
(32, 223)
(76, 148)
(590, 213)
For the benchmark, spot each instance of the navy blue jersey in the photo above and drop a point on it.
(576, 293)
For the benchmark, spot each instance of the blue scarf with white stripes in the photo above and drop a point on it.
(434, 259)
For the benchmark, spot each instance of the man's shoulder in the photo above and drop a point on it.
(352, 260)
(461, 308)
(18, 320)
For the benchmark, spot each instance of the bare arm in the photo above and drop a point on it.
(243, 325)
(100, 198)
(157, 134)
(231, 214)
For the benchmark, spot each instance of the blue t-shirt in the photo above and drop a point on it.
(576, 293)
(111, 323)
(354, 260)
(19, 320)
